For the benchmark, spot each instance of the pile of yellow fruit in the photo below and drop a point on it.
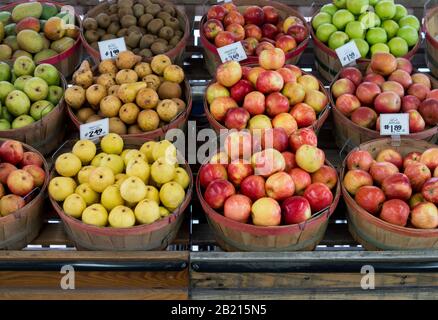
(136, 96)
(119, 187)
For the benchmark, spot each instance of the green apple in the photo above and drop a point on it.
(17, 103)
(36, 89)
(409, 34)
(6, 115)
(338, 39)
(21, 81)
(5, 71)
(22, 121)
(40, 108)
(400, 12)
(357, 7)
(385, 9)
(341, 18)
(48, 73)
(23, 66)
(373, 2)
(363, 47)
(410, 20)
(320, 19)
(370, 20)
(5, 89)
(4, 125)
(329, 8)
(355, 30)
(325, 31)
(379, 47)
(376, 35)
(398, 46)
(55, 94)
(341, 4)
(391, 27)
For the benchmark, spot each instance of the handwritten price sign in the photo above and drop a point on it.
(348, 53)
(232, 52)
(110, 49)
(394, 124)
(94, 130)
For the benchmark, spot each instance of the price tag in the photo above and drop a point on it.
(348, 53)
(94, 130)
(232, 52)
(394, 124)
(110, 49)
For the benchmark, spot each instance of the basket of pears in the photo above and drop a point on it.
(121, 193)
(140, 99)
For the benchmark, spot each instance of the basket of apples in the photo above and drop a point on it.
(374, 26)
(122, 194)
(271, 94)
(265, 193)
(24, 175)
(386, 85)
(258, 24)
(391, 194)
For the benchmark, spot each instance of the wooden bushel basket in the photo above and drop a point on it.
(431, 29)
(176, 54)
(371, 231)
(236, 236)
(155, 236)
(18, 229)
(327, 62)
(46, 134)
(66, 62)
(350, 135)
(212, 59)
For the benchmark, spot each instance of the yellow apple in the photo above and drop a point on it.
(133, 189)
(84, 174)
(147, 212)
(164, 212)
(164, 148)
(89, 195)
(114, 162)
(74, 205)
(61, 187)
(85, 150)
(172, 195)
(121, 217)
(68, 165)
(111, 197)
(96, 160)
(182, 177)
(134, 154)
(100, 178)
(112, 143)
(162, 172)
(152, 194)
(95, 215)
(147, 149)
(119, 178)
(138, 168)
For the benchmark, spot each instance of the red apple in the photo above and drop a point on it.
(383, 63)
(397, 186)
(309, 82)
(272, 59)
(430, 190)
(354, 179)
(216, 12)
(224, 38)
(298, 32)
(220, 106)
(404, 64)
(423, 79)
(266, 212)
(234, 17)
(254, 103)
(217, 192)
(269, 81)
(37, 174)
(410, 103)
(212, 28)
(268, 162)
(5, 170)
(237, 30)
(347, 103)
(364, 117)
(286, 122)
(301, 137)
(286, 43)
(254, 74)
(316, 99)
(304, 115)
(216, 90)
(238, 208)
(433, 94)
(430, 158)
(240, 90)
(296, 210)
(390, 155)
(425, 216)
(249, 45)
(30, 157)
(289, 22)
(343, 86)
(236, 118)
(359, 159)
(309, 158)
(280, 186)
(229, 6)
(295, 92)
(396, 212)
(327, 175)
(319, 196)
(301, 178)
(238, 170)
(419, 90)
(415, 199)
(229, 73)
(238, 144)
(11, 151)
(296, 70)
(289, 159)
(210, 172)
(387, 102)
(10, 203)
(254, 15)
(253, 187)
(20, 182)
(276, 103)
(374, 78)
(410, 158)
(393, 86)
(429, 110)
(253, 31)
(271, 14)
(269, 30)
(380, 170)
(418, 173)
(370, 198)
(352, 74)
(401, 77)
(416, 121)
(245, 72)
(276, 138)
(287, 74)
(264, 45)
(220, 158)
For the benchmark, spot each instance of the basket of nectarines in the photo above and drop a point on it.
(387, 85)
(391, 192)
(122, 194)
(258, 24)
(24, 175)
(263, 193)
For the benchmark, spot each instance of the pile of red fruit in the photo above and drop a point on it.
(387, 87)
(258, 28)
(394, 188)
(271, 95)
(20, 173)
(252, 181)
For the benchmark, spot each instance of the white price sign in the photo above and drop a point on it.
(348, 53)
(110, 49)
(394, 124)
(232, 52)
(94, 130)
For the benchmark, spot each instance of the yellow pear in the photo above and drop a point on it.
(95, 215)
(134, 154)
(152, 193)
(89, 195)
(74, 205)
(124, 153)
(164, 212)
(119, 178)
(84, 174)
(172, 195)
(133, 189)
(127, 92)
(138, 168)
(111, 197)
(96, 160)
(146, 149)
(100, 178)
(85, 150)
(68, 165)
(114, 162)
(147, 212)
(162, 172)
(61, 187)
(166, 149)
(121, 217)
(112, 143)
(182, 177)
